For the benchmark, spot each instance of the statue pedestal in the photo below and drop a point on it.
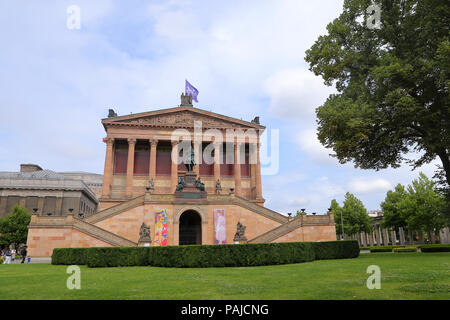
(144, 243)
(190, 191)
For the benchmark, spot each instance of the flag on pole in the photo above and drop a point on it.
(191, 90)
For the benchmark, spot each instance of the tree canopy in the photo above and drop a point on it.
(392, 214)
(354, 216)
(14, 227)
(419, 207)
(392, 82)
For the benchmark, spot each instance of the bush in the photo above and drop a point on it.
(405, 249)
(204, 256)
(70, 256)
(385, 248)
(435, 248)
(380, 249)
(117, 256)
(336, 249)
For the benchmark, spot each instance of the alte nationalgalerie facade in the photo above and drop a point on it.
(148, 199)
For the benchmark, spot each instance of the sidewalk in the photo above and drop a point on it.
(33, 260)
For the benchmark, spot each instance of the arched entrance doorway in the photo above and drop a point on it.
(190, 228)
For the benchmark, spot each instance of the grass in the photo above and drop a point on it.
(403, 276)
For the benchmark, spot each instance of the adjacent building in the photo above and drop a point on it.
(46, 193)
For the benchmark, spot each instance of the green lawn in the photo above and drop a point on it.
(403, 276)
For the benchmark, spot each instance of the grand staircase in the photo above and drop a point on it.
(102, 234)
(87, 225)
(242, 202)
(119, 208)
(277, 232)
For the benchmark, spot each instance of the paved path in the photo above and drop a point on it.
(33, 260)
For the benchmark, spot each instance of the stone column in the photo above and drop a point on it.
(237, 169)
(363, 239)
(371, 239)
(258, 175)
(152, 164)
(379, 237)
(393, 237)
(252, 161)
(130, 167)
(401, 233)
(444, 235)
(109, 166)
(197, 151)
(217, 157)
(174, 168)
(40, 206)
(58, 207)
(385, 237)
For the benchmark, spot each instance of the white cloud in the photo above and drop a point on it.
(364, 186)
(295, 94)
(311, 146)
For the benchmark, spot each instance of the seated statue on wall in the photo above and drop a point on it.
(144, 233)
(240, 233)
(181, 184)
(199, 185)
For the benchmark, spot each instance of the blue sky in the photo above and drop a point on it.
(245, 57)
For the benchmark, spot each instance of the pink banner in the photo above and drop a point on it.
(220, 235)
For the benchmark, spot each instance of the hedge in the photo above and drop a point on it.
(336, 249)
(117, 256)
(204, 256)
(405, 249)
(70, 256)
(385, 248)
(435, 248)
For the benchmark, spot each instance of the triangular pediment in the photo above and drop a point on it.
(180, 117)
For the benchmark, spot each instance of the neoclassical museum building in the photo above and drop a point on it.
(177, 176)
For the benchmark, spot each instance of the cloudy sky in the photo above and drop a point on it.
(245, 57)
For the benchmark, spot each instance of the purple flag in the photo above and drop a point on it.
(190, 90)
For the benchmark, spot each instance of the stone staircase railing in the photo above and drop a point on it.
(119, 208)
(277, 232)
(102, 234)
(237, 200)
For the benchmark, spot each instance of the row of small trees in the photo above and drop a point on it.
(419, 207)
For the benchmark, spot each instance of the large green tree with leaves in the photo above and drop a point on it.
(392, 83)
(393, 216)
(354, 216)
(14, 227)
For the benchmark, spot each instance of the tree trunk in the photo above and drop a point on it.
(445, 158)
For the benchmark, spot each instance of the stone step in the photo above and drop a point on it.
(102, 234)
(114, 210)
(277, 232)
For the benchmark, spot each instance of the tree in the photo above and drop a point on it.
(354, 215)
(338, 218)
(392, 82)
(423, 207)
(392, 214)
(14, 227)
